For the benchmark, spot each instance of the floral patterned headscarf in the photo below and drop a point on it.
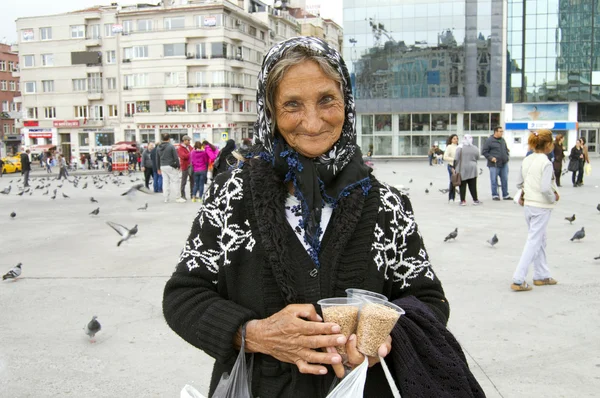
(321, 180)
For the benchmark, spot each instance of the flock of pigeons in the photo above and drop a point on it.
(98, 182)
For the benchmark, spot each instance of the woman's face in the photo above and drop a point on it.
(309, 109)
(455, 140)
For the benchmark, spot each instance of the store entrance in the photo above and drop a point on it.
(591, 139)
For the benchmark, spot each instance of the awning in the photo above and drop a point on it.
(124, 147)
(175, 102)
(41, 148)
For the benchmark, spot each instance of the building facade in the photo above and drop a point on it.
(553, 79)
(422, 70)
(129, 73)
(10, 138)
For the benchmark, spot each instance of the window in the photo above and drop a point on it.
(135, 52)
(31, 113)
(175, 105)
(113, 111)
(27, 35)
(111, 57)
(175, 79)
(94, 82)
(136, 80)
(13, 107)
(262, 35)
(252, 31)
(220, 78)
(105, 139)
(28, 61)
(84, 139)
(93, 31)
(111, 83)
(147, 135)
(201, 79)
(29, 87)
(127, 27)
(129, 109)
(2, 66)
(173, 50)
(77, 31)
(3, 85)
(5, 106)
(142, 106)
(12, 67)
(49, 112)
(200, 50)
(108, 30)
(79, 84)
(47, 59)
(96, 112)
(6, 128)
(248, 106)
(46, 33)
(174, 23)
(48, 86)
(220, 105)
(218, 50)
(13, 85)
(144, 25)
(81, 111)
(208, 21)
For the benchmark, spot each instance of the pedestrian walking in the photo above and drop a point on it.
(559, 157)
(449, 158)
(586, 158)
(168, 166)
(187, 173)
(25, 167)
(147, 166)
(576, 162)
(466, 164)
(539, 197)
(156, 178)
(495, 151)
(62, 165)
(200, 161)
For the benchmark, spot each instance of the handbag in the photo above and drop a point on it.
(588, 169)
(573, 165)
(455, 178)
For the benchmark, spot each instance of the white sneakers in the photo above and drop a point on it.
(181, 200)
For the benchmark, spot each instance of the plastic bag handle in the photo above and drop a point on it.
(243, 350)
(390, 379)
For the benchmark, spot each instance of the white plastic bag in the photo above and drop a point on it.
(353, 385)
(190, 392)
(238, 384)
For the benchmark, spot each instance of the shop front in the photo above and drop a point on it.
(523, 119)
(13, 143)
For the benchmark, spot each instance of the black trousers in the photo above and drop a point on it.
(557, 172)
(147, 174)
(187, 174)
(579, 173)
(472, 184)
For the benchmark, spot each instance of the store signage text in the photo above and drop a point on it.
(185, 126)
(66, 123)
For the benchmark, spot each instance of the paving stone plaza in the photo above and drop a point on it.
(541, 343)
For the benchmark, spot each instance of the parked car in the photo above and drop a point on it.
(10, 166)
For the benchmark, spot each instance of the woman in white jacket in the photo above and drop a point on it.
(449, 155)
(539, 197)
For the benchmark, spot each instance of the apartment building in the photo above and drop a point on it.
(129, 73)
(10, 139)
(315, 25)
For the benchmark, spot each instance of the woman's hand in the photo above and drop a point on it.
(296, 334)
(556, 196)
(355, 358)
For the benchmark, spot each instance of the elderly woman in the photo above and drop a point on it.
(302, 219)
(466, 164)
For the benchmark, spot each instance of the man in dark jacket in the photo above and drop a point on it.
(168, 165)
(495, 151)
(184, 151)
(156, 178)
(25, 167)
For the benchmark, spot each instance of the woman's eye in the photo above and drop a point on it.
(291, 104)
(327, 99)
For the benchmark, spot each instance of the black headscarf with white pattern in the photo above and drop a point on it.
(332, 175)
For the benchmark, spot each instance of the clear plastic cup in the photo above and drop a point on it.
(344, 312)
(377, 319)
(364, 294)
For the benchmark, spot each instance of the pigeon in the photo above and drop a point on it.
(84, 186)
(430, 184)
(144, 208)
(45, 193)
(95, 211)
(579, 235)
(54, 191)
(393, 172)
(135, 188)
(451, 235)
(93, 200)
(13, 273)
(65, 196)
(598, 207)
(570, 219)
(444, 191)
(13, 214)
(92, 328)
(6, 191)
(54, 197)
(493, 241)
(21, 193)
(597, 258)
(410, 180)
(426, 190)
(125, 232)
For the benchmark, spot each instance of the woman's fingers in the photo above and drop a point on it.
(307, 368)
(355, 358)
(338, 368)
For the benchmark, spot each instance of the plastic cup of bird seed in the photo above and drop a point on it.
(377, 319)
(364, 294)
(344, 312)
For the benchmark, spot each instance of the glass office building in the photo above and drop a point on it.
(422, 70)
(553, 61)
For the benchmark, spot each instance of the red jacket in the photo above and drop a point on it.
(184, 156)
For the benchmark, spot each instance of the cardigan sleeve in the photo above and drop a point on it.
(192, 305)
(413, 274)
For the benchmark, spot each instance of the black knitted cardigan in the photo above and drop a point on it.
(242, 254)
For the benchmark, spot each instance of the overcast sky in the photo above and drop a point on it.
(11, 10)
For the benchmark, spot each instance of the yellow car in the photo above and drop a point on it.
(10, 166)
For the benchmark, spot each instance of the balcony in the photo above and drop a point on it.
(93, 41)
(16, 72)
(95, 95)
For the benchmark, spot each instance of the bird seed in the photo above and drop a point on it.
(344, 315)
(375, 324)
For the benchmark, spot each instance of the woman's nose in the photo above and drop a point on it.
(312, 120)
